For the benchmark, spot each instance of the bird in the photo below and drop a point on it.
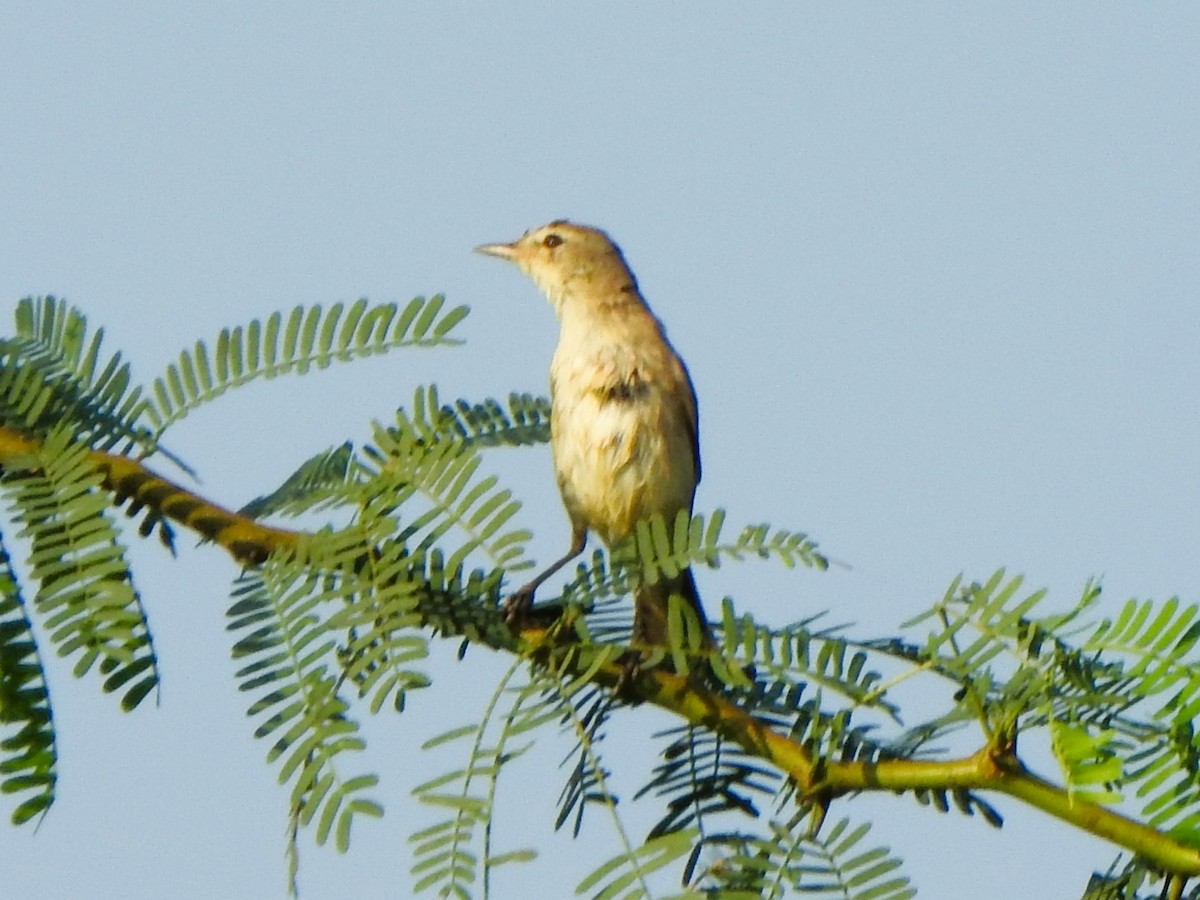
(623, 419)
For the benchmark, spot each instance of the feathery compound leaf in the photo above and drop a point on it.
(417, 457)
(1157, 641)
(841, 869)
(976, 624)
(336, 477)
(446, 855)
(658, 547)
(430, 455)
(702, 776)
(525, 421)
(310, 337)
(585, 785)
(384, 628)
(279, 612)
(319, 481)
(86, 597)
(1125, 884)
(50, 375)
(796, 657)
(28, 749)
(625, 875)
(1088, 761)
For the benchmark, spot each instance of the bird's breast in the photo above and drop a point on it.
(622, 450)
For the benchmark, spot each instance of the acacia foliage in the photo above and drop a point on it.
(419, 543)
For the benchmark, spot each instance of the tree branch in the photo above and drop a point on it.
(247, 541)
(986, 770)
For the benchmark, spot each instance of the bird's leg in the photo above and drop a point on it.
(516, 607)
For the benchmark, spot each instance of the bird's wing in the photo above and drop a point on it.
(685, 395)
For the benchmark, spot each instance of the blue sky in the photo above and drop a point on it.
(934, 270)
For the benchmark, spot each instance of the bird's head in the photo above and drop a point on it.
(569, 261)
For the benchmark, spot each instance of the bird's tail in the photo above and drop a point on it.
(651, 605)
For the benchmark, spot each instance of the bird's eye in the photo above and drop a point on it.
(552, 240)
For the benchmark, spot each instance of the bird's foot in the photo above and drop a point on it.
(518, 611)
(517, 607)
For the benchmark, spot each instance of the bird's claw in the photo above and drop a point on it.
(518, 611)
(517, 608)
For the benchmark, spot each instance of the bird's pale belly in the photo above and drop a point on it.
(618, 461)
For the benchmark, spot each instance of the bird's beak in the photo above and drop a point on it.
(504, 251)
